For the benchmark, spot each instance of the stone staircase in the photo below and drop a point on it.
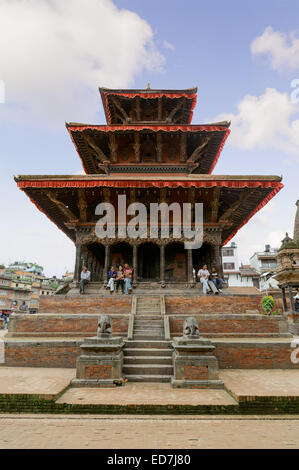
(148, 356)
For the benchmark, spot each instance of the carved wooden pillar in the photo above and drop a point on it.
(292, 303)
(160, 109)
(190, 267)
(78, 263)
(135, 265)
(137, 146)
(162, 264)
(106, 265)
(218, 260)
(159, 147)
(94, 269)
(183, 147)
(89, 263)
(113, 147)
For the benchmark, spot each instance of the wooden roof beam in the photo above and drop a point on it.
(174, 111)
(230, 211)
(98, 151)
(65, 211)
(197, 152)
(120, 108)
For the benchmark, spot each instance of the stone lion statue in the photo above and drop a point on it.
(191, 327)
(104, 325)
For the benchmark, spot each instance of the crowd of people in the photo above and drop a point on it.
(120, 279)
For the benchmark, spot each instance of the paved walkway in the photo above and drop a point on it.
(143, 432)
(242, 383)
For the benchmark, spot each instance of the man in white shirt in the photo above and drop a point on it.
(84, 279)
(203, 275)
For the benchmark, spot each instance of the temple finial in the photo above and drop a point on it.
(148, 86)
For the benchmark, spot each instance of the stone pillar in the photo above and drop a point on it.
(106, 265)
(284, 300)
(218, 260)
(162, 265)
(78, 263)
(292, 303)
(135, 265)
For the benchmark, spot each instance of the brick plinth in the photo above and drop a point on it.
(211, 304)
(231, 354)
(196, 372)
(102, 371)
(232, 325)
(85, 304)
(63, 325)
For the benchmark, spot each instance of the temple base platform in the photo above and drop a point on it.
(243, 337)
(246, 392)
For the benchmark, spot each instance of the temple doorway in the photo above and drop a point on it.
(121, 253)
(94, 259)
(175, 263)
(201, 256)
(148, 262)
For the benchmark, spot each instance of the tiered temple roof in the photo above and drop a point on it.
(149, 146)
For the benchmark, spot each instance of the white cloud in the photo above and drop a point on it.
(54, 54)
(265, 121)
(283, 51)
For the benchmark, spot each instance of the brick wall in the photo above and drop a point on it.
(88, 304)
(211, 304)
(42, 354)
(239, 354)
(63, 325)
(242, 355)
(212, 325)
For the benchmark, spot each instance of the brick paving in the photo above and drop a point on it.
(261, 383)
(143, 432)
(146, 394)
(36, 381)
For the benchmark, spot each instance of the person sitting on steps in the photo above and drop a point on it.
(128, 278)
(216, 279)
(112, 273)
(120, 279)
(84, 279)
(203, 275)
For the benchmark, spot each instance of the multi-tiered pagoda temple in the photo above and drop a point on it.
(150, 152)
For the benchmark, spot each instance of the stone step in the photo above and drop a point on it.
(149, 330)
(147, 352)
(148, 336)
(148, 369)
(148, 344)
(149, 309)
(154, 320)
(136, 360)
(148, 378)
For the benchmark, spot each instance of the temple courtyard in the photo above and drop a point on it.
(148, 432)
(148, 415)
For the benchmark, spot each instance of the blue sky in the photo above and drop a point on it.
(242, 56)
